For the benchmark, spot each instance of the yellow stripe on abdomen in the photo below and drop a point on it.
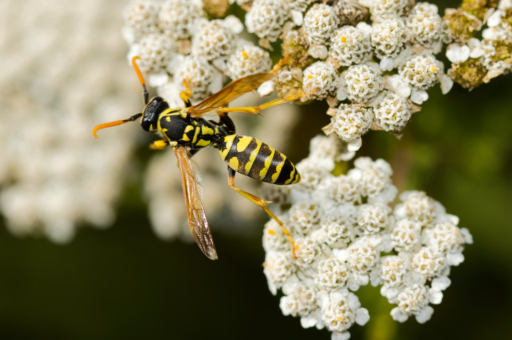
(229, 142)
(252, 157)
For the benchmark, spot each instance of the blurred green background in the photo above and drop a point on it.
(125, 283)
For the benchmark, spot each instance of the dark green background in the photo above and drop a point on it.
(124, 283)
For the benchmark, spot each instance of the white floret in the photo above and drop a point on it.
(278, 268)
(445, 237)
(392, 112)
(413, 301)
(310, 174)
(386, 9)
(428, 262)
(389, 38)
(343, 189)
(176, 18)
(372, 218)
(274, 238)
(319, 24)
(213, 40)
(301, 5)
(421, 71)
(299, 300)
(406, 236)
(350, 46)
(199, 75)
(141, 17)
(417, 206)
(393, 271)
(304, 217)
(266, 18)
(351, 122)
(319, 79)
(364, 83)
(338, 315)
(425, 24)
(332, 274)
(362, 257)
(156, 51)
(375, 175)
(337, 228)
(308, 252)
(248, 60)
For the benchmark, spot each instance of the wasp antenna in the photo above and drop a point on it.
(114, 123)
(141, 79)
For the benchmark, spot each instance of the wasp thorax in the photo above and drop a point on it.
(151, 113)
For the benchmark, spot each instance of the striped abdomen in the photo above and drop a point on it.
(253, 158)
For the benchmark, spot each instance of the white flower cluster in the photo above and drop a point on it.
(342, 227)
(177, 43)
(54, 176)
(347, 59)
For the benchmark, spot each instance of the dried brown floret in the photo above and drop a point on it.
(478, 8)
(469, 74)
(461, 25)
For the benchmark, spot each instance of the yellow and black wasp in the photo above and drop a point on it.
(187, 133)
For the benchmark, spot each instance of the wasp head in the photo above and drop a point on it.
(152, 112)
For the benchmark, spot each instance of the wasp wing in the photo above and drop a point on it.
(230, 93)
(195, 211)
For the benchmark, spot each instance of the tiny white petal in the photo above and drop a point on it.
(266, 88)
(341, 94)
(457, 54)
(418, 97)
(362, 316)
(454, 259)
(399, 85)
(233, 24)
(308, 321)
(387, 64)
(220, 64)
(425, 314)
(495, 19)
(446, 83)
(353, 301)
(441, 283)
(297, 17)
(355, 145)
(468, 238)
(340, 336)
(435, 297)
(363, 26)
(158, 79)
(398, 315)
(175, 62)
(318, 51)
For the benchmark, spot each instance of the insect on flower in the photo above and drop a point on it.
(187, 133)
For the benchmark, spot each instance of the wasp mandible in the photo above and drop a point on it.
(187, 133)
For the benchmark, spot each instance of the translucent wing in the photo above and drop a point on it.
(195, 211)
(230, 93)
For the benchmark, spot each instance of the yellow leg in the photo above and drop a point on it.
(186, 94)
(159, 144)
(257, 109)
(262, 204)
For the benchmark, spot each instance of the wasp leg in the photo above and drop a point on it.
(186, 94)
(257, 109)
(227, 122)
(261, 203)
(159, 144)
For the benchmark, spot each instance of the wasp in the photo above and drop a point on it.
(187, 132)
